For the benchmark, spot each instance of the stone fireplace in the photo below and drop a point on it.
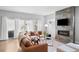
(65, 33)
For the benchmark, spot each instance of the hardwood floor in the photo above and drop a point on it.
(12, 45)
(9, 45)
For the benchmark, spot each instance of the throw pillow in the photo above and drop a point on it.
(26, 42)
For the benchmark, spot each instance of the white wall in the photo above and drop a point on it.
(77, 24)
(51, 26)
(0, 25)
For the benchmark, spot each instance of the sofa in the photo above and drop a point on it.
(35, 48)
(43, 47)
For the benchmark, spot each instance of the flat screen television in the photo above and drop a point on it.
(63, 22)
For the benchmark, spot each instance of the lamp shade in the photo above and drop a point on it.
(46, 25)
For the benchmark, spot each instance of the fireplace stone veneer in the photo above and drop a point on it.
(67, 32)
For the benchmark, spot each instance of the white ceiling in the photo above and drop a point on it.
(39, 10)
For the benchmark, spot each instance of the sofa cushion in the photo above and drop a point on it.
(26, 42)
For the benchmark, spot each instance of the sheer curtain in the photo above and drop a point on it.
(19, 23)
(8, 24)
(11, 24)
(40, 25)
(30, 25)
(4, 30)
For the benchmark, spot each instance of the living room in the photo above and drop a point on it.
(43, 25)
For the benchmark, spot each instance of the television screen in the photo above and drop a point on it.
(63, 22)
